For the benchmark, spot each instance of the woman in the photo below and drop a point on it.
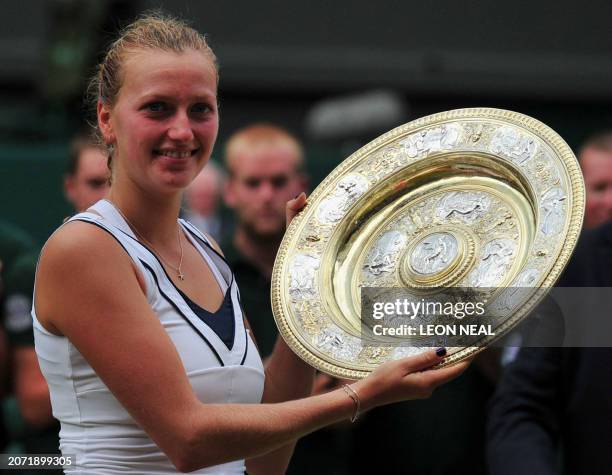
(145, 375)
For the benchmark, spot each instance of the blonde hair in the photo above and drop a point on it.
(259, 136)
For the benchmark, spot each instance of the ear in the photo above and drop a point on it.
(69, 187)
(105, 123)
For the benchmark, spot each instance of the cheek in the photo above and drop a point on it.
(209, 130)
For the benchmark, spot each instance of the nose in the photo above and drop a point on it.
(180, 128)
(266, 190)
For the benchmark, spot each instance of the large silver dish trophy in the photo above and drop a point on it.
(472, 198)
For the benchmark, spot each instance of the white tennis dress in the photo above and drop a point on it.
(94, 425)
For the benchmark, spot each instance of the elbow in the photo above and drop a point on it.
(188, 454)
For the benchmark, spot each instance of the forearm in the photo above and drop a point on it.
(221, 433)
(288, 377)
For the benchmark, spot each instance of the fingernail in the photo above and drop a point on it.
(441, 351)
(297, 196)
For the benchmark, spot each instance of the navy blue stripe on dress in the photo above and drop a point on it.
(221, 322)
(196, 233)
(171, 302)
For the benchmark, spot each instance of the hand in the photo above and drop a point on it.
(408, 378)
(294, 206)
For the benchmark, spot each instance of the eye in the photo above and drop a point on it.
(279, 181)
(156, 107)
(599, 187)
(252, 183)
(201, 109)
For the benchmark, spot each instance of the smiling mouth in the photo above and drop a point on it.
(176, 153)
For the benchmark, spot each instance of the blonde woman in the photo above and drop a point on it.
(138, 327)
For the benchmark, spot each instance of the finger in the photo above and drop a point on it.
(435, 377)
(294, 206)
(424, 360)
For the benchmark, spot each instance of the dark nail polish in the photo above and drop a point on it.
(441, 351)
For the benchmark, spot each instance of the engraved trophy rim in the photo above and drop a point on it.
(347, 193)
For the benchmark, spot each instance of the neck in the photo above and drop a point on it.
(153, 217)
(261, 253)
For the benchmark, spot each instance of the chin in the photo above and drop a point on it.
(271, 233)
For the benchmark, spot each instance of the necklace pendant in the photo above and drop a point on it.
(181, 276)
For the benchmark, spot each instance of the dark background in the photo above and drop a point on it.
(279, 60)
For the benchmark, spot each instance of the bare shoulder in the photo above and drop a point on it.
(78, 238)
(81, 248)
(80, 263)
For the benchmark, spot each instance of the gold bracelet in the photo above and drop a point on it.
(355, 397)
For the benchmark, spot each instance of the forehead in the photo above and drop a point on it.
(596, 164)
(149, 72)
(265, 161)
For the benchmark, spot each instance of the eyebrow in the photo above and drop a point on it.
(204, 95)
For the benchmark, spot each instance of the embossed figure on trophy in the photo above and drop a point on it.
(513, 144)
(513, 296)
(334, 207)
(384, 253)
(432, 140)
(303, 275)
(497, 256)
(552, 210)
(466, 206)
(329, 340)
(434, 253)
(501, 222)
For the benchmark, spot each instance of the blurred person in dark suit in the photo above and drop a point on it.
(596, 162)
(552, 411)
(34, 429)
(202, 200)
(85, 182)
(15, 304)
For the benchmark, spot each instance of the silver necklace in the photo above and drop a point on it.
(178, 269)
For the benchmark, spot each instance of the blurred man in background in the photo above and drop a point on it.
(202, 200)
(596, 162)
(87, 175)
(264, 165)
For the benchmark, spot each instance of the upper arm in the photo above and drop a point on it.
(88, 289)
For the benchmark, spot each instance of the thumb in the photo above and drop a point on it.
(294, 206)
(423, 361)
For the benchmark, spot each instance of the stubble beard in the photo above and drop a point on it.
(272, 238)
